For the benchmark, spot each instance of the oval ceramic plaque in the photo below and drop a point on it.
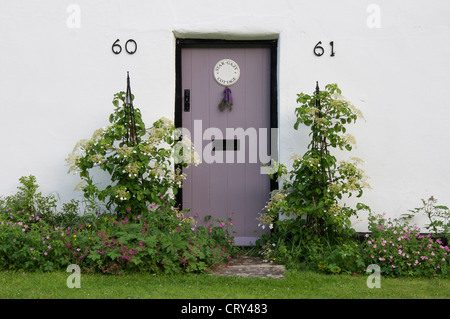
(226, 72)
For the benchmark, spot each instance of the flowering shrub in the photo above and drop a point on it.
(312, 191)
(142, 232)
(28, 242)
(142, 173)
(158, 241)
(161, 240)
(29, 199)
(438, 215)
(401, 250)
(317, 180)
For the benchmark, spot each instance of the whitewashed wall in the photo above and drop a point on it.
(58, 76)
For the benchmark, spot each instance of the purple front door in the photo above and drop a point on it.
(232, 144)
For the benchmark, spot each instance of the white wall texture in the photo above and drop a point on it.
(58, 77)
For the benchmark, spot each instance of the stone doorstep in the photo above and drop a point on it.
(246, 266)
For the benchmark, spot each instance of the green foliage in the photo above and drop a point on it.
(401, 250)
(160, 240)
(29, 199)
(142, 231)
(438, 215)
(311, 192)
(141, 174)
(345, 258)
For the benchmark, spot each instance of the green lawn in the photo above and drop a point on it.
(295, 285)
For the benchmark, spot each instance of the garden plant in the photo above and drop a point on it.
(311, 191)
(131, 224)
(400, 249)
(310, 222)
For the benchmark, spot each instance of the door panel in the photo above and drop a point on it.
(228, 188)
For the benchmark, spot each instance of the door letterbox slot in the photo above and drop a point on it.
(226, 145)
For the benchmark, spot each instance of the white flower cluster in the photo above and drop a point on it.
(122, 194)
(184, 152)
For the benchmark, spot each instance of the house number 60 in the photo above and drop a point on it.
(116, 48)
(319, 50)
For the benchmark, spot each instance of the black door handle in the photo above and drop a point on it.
(187, 100)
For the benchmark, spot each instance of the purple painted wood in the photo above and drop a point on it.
(223, 189)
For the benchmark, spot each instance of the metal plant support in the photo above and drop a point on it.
(320, 146)
(130, 137)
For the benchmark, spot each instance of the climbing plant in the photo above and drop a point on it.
(142, 174)
(312, 190)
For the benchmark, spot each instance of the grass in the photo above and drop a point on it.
(296, 285)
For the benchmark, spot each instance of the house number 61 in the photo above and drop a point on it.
(319, 50)
(116, 48)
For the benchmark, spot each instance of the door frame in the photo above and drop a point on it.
(215, 43)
